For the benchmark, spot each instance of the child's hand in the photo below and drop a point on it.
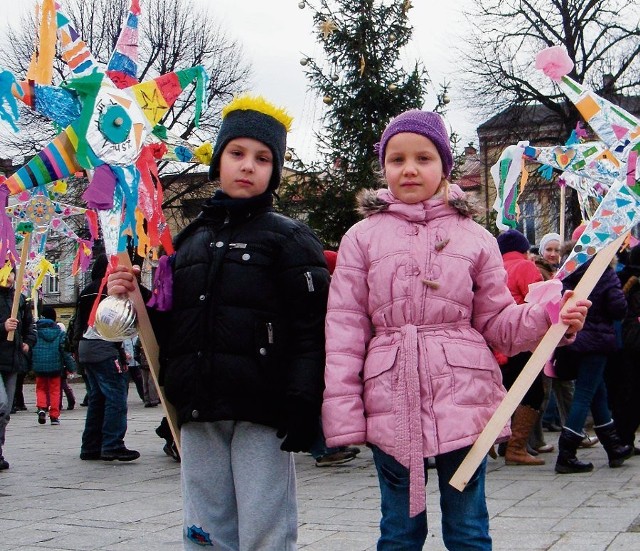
(10, 324)
(574, 316)
(122, 281)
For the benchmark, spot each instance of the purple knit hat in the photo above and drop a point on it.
(427, 124)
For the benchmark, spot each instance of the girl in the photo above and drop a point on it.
(242, 350)
(418, 292)
(521, 272)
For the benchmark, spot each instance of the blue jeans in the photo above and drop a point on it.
(7, 390)
(106, 422)
(590, 392)
(465, 519)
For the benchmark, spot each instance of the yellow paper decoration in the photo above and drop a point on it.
(204, 153)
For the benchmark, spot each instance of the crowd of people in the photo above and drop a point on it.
(403, 341)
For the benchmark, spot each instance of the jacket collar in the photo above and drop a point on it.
(371, 202)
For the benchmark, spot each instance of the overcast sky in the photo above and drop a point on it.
(275, 34)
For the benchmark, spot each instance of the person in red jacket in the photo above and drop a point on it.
(521, 272)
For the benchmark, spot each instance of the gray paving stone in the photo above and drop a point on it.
(50, 500)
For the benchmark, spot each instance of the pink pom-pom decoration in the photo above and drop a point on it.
(547, 294)
(554, 62)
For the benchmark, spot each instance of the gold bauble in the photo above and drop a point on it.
(392, 87)
(328, 100)
(288, 156)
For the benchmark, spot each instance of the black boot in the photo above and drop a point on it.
(617, 452)
(567, 462)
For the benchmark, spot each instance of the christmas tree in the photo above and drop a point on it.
(363, 85)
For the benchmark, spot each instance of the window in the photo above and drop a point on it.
(527, 222)
(52, 282)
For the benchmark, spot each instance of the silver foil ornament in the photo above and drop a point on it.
(115, 319)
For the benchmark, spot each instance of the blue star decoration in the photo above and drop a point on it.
(199, 536)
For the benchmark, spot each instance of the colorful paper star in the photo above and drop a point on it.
(107, 125)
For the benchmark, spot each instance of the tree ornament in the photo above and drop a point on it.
(288, 156)
(302, 5)
(406, 6)
(328, 100)
(392, 87)
(335, 77)
(363, 65)
(304, 61)
(327, 27)
(392, 37)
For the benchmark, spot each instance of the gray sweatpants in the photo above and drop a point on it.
(238, 488)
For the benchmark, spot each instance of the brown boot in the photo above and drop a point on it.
(521, 424)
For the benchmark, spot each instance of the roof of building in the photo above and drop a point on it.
(538, 115)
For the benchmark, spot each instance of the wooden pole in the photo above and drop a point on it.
(151, 351)
(563, 199)
(24, 254)
(535, 364)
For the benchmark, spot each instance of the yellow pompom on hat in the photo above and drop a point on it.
(253, 117)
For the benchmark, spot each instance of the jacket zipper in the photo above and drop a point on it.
(309, 279)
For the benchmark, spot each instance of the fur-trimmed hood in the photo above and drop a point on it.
(373, 201)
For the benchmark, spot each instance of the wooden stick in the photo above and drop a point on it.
(563, 195)
(530, 371)
(26, 245)
(151, 351)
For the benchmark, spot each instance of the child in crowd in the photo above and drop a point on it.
(242, 348)
(521, 272)
(49, 361)
(418, 293)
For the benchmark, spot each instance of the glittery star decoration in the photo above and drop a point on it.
(106, 127)
(45, 212)
(406, 6)
(327, 27)
(363, 65)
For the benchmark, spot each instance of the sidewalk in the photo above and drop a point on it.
(52, 500)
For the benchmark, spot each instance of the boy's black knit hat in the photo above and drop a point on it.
(253, 117)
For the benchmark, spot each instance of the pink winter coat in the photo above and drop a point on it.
(418, 292)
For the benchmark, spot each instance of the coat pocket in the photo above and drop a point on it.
(379, 379)
(473, 371)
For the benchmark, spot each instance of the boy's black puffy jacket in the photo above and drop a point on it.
(245, 337)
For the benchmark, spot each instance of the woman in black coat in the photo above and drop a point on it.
(623, 373)
(590, 353)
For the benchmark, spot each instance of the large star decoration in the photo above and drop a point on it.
(612, 161)
(107, 126)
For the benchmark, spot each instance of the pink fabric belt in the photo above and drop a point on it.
(407, 407)
(409, 418)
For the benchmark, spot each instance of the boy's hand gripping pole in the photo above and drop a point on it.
(530, 371)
